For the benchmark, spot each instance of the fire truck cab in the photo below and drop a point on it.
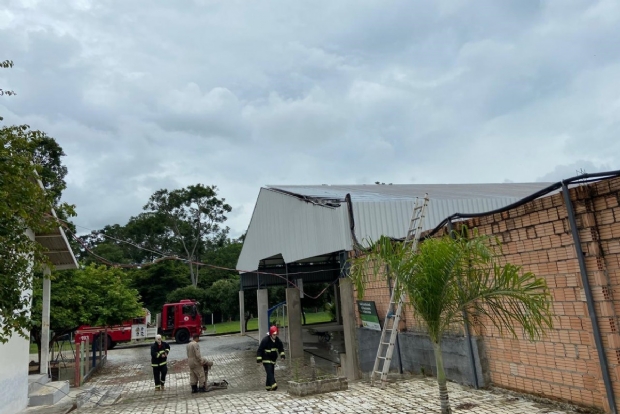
(180, 320)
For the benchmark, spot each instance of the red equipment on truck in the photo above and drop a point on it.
(179, 320)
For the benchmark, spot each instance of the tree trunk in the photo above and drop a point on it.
(441, 380)
(191, 273)
(197, 274)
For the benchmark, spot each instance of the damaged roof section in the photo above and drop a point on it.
(395, 192)
(305, 221)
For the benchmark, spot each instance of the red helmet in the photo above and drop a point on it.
(273, 330)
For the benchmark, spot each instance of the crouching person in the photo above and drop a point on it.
(196, 370)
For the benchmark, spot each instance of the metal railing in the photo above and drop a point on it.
(90, 357)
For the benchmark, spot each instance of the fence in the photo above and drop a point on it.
(279, 318)
(86, 359)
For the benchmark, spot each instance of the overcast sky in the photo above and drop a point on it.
(144, 95)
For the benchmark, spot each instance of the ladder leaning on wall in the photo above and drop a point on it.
(390, 324)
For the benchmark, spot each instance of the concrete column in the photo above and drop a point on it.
(349, 326)
(262, 298)
(45, 321)
(241, 312)
(293, 304)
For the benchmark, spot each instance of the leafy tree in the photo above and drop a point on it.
(148, 233)
(23, 205)
(114, 253)
(143, 239)
(95, 295)
(192, 217)
(452, 277)
(190, 292)
(47, 154)
(155, 282)
(225, 255)
(223, 296)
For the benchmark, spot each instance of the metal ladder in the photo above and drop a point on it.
(390, 324)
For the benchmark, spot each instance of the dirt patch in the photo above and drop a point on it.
(465, 406)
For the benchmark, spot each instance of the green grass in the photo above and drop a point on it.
(233, 326)
(66, 347)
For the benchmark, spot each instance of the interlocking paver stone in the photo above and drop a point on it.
(234, 360)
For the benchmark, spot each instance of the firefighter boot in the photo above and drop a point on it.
(194, 389)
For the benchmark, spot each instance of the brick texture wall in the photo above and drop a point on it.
(564, 365)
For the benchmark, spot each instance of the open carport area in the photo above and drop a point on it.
(300, 235)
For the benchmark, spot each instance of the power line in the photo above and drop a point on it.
(164, 257)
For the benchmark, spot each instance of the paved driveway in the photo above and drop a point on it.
(129, 372)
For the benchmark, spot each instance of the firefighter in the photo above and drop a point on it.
(196, 369)
(159, 362)
(267, 353)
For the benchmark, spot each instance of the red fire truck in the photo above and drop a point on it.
(179, 320)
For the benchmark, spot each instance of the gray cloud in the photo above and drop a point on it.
(146, 95)
(574, 169)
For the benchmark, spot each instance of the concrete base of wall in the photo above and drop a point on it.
(49, 394)
(301, 389)
(417, 355)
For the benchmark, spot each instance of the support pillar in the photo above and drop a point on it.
(45, 321)
(262, 298)
(241, 312)
(293, 304)
(349, 326)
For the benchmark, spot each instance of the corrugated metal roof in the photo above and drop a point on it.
(287, 221)
(57, 248)
(374, 192)
(282, 224)
(376, 219)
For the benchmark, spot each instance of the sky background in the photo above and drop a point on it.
(144, 95)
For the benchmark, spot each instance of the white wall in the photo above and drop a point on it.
(14, 375)
(14, 359)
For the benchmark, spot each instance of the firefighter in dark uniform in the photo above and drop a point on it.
(159, 362)
(270, 347)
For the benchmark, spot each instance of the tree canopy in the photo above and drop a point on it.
(26, 158)
(193, 217)
(155, 282)
(223, 297)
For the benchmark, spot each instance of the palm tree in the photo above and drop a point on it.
(450, 278)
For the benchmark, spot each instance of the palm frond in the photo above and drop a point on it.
(508, 298)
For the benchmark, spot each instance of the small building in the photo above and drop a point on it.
(14, 355)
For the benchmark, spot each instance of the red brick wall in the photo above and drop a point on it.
(564, 365)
